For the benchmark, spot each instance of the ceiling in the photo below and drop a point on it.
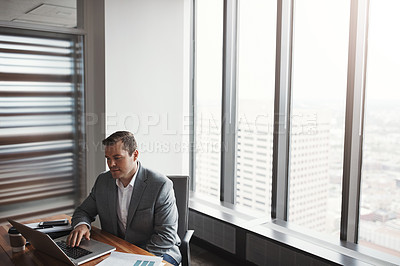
(47, 12)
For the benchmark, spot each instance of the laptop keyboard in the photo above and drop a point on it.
(75, 252)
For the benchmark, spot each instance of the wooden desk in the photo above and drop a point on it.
(33, 257)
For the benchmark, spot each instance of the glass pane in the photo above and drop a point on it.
(39, 110)
(320, 49)
(379, 226)
(52, 13)
(256, 85)
(208, 83)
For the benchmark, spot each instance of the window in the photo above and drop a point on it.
(297, 73)
(40, 124)
(320, 51)
(256, 86)
(208, 82)
(380, 190)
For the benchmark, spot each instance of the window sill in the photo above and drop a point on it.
(285, 234)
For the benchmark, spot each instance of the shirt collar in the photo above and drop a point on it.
(119, 183)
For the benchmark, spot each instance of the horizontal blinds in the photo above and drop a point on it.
(37, 126)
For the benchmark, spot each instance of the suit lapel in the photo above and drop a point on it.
(113, 201)
(138, 190)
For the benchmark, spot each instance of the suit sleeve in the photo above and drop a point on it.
(87, 211)
(165, 234)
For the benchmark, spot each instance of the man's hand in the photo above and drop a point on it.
(75, 237)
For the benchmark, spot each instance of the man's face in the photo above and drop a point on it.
(122, 166)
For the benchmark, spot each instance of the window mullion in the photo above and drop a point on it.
(192, 97)
(354, 121)
(229, 104)
(282, 109)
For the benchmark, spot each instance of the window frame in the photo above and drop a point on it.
(354, 119)
(352, 163)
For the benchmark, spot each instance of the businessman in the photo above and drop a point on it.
(133, 202)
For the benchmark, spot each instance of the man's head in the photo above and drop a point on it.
(127, 139)
(121, 155)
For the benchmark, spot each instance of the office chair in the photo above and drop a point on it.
(181, 189)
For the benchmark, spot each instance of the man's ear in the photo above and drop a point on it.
(135, 155)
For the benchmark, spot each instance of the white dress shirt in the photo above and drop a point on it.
(124, 199)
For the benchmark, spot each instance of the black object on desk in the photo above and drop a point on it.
(58, 228)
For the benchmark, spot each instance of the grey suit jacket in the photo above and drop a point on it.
(152, 221)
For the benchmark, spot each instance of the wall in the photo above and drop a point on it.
(147, 82)
(93, 21)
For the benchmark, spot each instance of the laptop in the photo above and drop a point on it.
(57, 248)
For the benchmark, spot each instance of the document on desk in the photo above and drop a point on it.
(122, 259)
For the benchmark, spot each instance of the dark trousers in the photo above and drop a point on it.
(170, 259)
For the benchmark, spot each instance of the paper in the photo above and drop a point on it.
(122, 259)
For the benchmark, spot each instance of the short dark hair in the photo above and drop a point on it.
(127, 139)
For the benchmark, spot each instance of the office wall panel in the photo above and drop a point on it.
(147, 82)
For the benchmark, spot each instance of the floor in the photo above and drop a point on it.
(202, 257)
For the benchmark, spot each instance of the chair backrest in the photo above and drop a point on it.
(181, 189)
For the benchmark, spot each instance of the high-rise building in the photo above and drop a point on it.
(207, 150)
(309, 170)
(254, 167)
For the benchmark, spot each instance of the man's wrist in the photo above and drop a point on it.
(80, 223)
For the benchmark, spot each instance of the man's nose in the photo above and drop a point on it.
(111, 163)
